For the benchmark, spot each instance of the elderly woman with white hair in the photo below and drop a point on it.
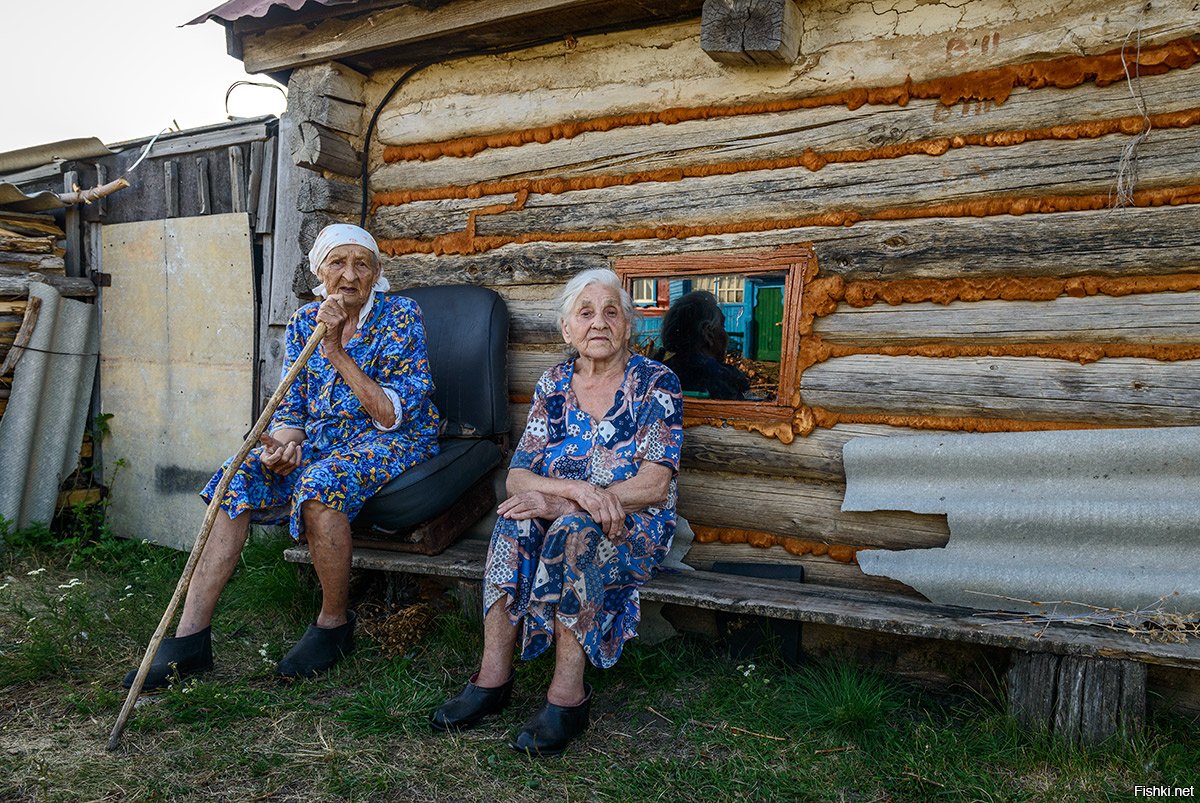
(589, 517)
(358, 415)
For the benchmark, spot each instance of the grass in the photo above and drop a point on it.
(677, 721)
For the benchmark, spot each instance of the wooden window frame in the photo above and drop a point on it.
(791, 260)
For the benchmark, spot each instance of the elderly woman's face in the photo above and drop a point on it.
(597, 327)
(351, 271)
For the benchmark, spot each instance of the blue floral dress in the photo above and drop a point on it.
(346, 457)
(569, 568)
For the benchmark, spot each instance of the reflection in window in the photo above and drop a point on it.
(645, 292)
(727, 289)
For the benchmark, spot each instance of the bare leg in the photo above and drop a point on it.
(328, 533)
(499, 639)
(566, 687)
(216, 565)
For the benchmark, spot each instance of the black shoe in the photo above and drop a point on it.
(318, 649)
(472, 704)
(553, 727)
(182, 656)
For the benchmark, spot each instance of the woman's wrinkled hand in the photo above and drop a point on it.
(333, 314)
(279, 458)
(535, 505)
(602, 505)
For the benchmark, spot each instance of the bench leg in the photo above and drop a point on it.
(1083, 700)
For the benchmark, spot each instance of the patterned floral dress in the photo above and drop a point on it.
(346, 457)
(569, 568)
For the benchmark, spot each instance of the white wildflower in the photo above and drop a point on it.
(36, 571)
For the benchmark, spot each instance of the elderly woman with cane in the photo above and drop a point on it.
(589, 517)
(358, 415)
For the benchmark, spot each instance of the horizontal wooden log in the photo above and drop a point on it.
(16, 283)
(846, 46)
(1117, 242)
(29, 224)
(1134, 392)
(964, 175)
(318, 148)
(753, 137)
(802, 602)
(1139, 318)
(816, 457)
(819, 570)
(408, 33)
(318, 194)
(807, 510)
(525, 367)
(329, 94)
(534, 322)
(27, 245)
(38, 262)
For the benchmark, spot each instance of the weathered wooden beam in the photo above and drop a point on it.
(807, 510)
(1117, 242)
(318, 148)
(26, 245)
(756, 137)
(817, 569)
(73, 226)
(1139, 318)
(964, 176)
(329, 94)
(1111, 392)
(407, 33)
(171, 187)
(1081, 699)
(50, 263)
(839, 607)
(759, 32)
(237, 179)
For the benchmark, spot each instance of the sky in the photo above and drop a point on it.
(117, 70)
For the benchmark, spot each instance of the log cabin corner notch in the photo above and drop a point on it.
(795, 264)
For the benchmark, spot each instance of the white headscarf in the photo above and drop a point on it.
(330, 238)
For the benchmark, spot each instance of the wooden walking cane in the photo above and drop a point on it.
(211, 516)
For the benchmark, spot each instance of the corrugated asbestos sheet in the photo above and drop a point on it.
(1107, 518)
(13, 199)
(237, 9)
(47, 407)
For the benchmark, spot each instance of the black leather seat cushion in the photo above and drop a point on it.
(425, 490)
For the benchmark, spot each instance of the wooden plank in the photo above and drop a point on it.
(254, 182)
(288, 260)
(318, 149)
(1068, 703)
(858, 610)
(754, 137)
(171, 187)
(1139, 318)
(1117, 392)
(403, 34)
(13, 355)
(1101, 698)
(237, 179)
(959, 176)
(26, 245)
(12, 307)
(203, 189)
(752, 32)
(1132, 705)
(807, 510)
(72, 225)
(219, 136)
(1031, 683)
(266, 192)
(30, 224)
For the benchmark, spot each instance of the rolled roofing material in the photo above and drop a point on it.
(47, 408)
(1107, 518)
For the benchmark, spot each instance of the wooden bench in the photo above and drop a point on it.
(1085, 683)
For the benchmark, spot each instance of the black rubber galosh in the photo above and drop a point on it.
(553, 727)
(472, 704)
(189, 655)
(318, 649)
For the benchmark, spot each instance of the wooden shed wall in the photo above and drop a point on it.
(954, 169)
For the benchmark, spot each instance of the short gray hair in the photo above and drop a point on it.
(581, 281)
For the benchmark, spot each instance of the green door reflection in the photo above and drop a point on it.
(768, 321)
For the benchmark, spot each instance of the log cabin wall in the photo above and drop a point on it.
(954, 168)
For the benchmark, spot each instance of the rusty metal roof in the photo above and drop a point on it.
(1040, 520)
(238, 9)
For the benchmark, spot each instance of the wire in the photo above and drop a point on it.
(263, 84)
(146, 151)
(59, 353)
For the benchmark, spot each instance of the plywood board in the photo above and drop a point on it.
(176, 373)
